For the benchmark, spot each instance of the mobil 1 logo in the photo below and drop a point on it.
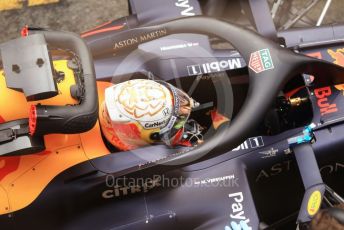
(215, 66)
(251, 143)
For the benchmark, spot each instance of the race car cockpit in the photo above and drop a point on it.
(58, 102)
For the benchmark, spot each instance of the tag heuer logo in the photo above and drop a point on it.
(261, 61)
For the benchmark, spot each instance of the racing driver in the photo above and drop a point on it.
(139, 112)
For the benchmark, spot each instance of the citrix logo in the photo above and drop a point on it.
(188, 9)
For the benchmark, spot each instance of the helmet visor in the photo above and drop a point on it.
(172, 133)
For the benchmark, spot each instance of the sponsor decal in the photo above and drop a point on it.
(269, 153)
(211, 76)
(287, 151)
(314, 203)
(261, 61)
(215, 180)
(322, 95)
(154, 124)
(243, 146)
(338, 57)
(166, 112)
(139, 39)
(285, 166)
(125, 43)
(132, 188)
(238, 219)
(179, 46)
(251, 143)
(194, 69)
(274, 170)
(340, 87)
(256, 142)
(216, 66)
(187, 8)
(169, 125)
(332, 168)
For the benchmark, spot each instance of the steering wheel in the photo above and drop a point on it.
(270, 68)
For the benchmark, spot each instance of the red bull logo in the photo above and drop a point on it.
(338, 57)
(322, 95)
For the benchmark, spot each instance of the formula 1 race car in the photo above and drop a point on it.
(260, 149)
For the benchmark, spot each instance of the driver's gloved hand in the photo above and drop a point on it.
(323, 220)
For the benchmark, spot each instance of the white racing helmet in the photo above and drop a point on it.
(140, 112)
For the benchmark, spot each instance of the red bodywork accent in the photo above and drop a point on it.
(32, 119)
(102, 31)
(315, 55)
(8, 165)
(293, 92)
(2, 120)
(97, 27)
(24, 31)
